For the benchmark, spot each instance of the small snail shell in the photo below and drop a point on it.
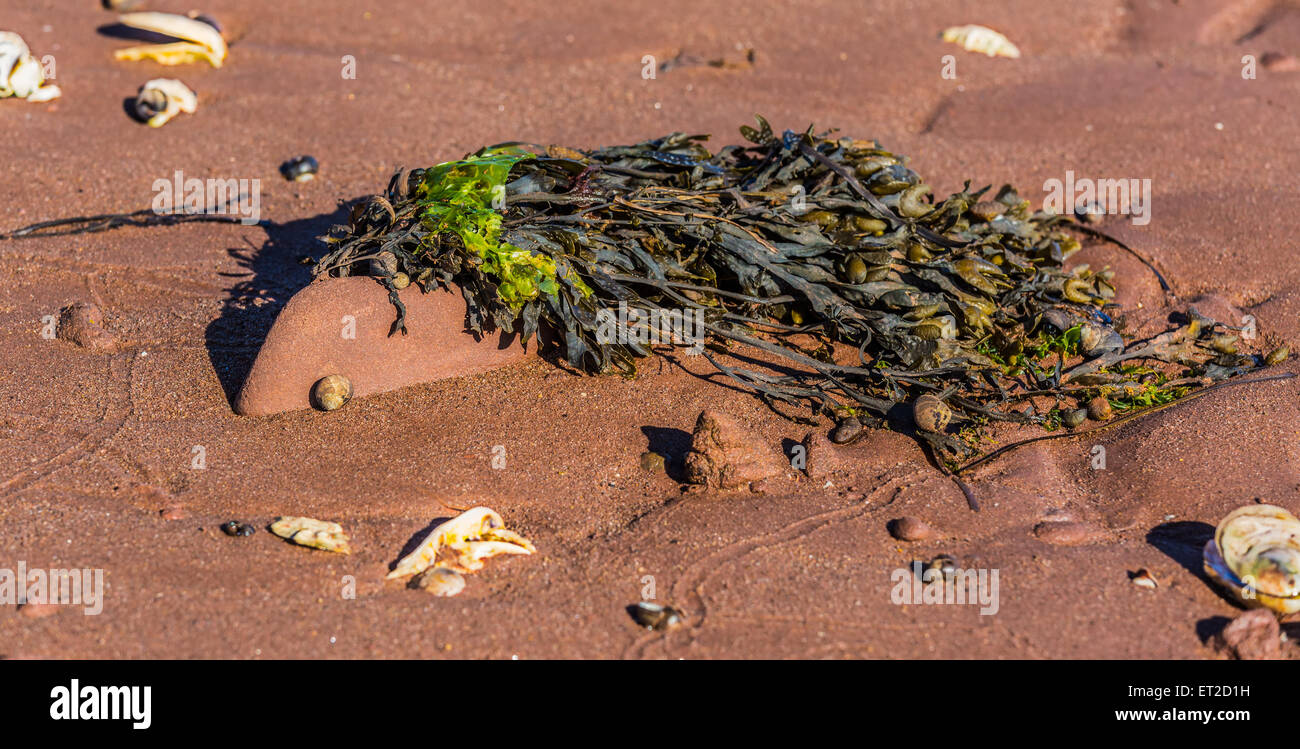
(655, 616)
(161, 99)
(401, 280)
(931, 414)
(1255, 555)
(1099, 409)
(945, 565)
(300, 169)
(330, 393)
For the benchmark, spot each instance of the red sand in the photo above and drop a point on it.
(93, 445)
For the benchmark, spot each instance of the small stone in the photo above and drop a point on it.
(1074, 417)
(439, 581)
(652, 462)
(846, 431)
(82, 323)
(1252, 636)
(908, 528)
(38, 610)
(820, 456)
(173, 512)
(1099, 409)
(1279, 62)
(1069, 533)
(725, 455)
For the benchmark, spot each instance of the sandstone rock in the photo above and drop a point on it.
(82, 323)
(1069, 533)
(1252, 636)
(724, 455)
(340, 326)
(908, 528)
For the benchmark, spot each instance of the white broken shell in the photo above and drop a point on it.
(318, 534)
(975, 38)
(21, 76)
(201, 41)
(462, 543)
(1255, 555)
(161, 99)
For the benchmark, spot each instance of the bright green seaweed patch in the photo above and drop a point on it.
(462, 198)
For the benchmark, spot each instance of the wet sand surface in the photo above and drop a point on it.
(94, 445)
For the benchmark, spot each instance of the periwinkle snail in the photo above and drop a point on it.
(931, 413)
(300, 169)
(331, 392)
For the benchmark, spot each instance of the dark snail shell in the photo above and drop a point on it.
(237, 529)
(931, 414)
(149, 102)
(300, 169)
(655, 616)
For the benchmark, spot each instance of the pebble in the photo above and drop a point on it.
(1253, 636)
(439, 581)
(38, 610)
(1069, 533)
(173, 512)
(846, 431)
(82, 323)
(652, 462)
(908, 528)
(1279, 62)
(1099, 409)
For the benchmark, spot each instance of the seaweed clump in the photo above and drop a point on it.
(804, 246)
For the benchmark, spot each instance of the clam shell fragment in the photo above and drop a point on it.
(317, 534)
(161, 99)
(976, 38)
(1255, 555)
(200, 41)
(21, 76)
(463, 543)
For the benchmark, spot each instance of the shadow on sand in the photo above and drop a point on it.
(272, 274)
